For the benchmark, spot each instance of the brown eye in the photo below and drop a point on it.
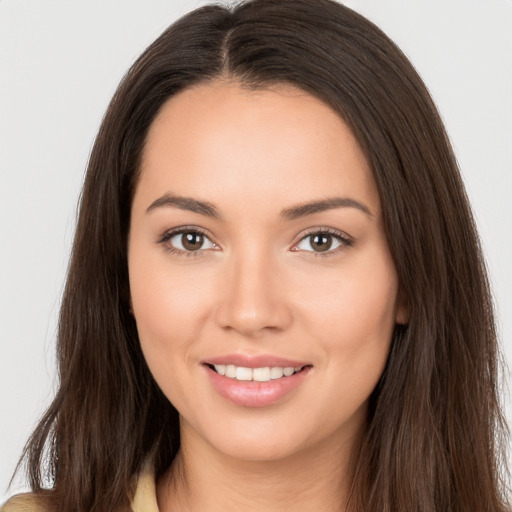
(190, 241)
(322, 242)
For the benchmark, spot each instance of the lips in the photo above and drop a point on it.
(255, 381)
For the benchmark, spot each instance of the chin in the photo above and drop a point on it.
(258, 439)
(258, 448)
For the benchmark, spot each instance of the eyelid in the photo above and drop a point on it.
(345, 239)
(170, 233)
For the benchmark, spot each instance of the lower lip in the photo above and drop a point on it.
(255, 394)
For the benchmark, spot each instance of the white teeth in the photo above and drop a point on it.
(276, 373)
(261, 374)
(257, 374)
(243, 373)
(221, 369)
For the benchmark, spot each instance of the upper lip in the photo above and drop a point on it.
(254, 361)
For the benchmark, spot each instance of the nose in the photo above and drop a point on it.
(253, 297)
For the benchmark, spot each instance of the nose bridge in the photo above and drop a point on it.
(253, 298)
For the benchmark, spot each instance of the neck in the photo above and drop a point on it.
(201, 479)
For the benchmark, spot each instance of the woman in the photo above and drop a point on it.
(276, 296)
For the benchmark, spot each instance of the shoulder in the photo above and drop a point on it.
(28, 502)
(144, 499)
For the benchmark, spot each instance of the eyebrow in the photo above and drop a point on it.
(323, 205)
(185, 203)
(295, 212)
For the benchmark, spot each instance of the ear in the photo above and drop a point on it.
(402, 309)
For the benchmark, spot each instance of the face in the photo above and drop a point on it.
(261, 281)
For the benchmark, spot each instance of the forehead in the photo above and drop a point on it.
(221, 142)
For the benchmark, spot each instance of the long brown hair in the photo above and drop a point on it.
(434, 439)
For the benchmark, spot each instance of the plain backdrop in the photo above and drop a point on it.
(60, 62)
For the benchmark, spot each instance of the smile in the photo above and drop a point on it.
(263, 374)
(255, 381)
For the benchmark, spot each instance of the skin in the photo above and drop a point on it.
(257, 286)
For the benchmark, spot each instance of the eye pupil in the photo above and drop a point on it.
(192, 241)
(321, 242)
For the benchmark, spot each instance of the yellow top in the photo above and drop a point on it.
(143, 501)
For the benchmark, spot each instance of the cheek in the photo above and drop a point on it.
(168, 306)
(354, 317)
(353, 327)
(361, 299)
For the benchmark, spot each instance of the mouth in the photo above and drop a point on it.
(258, 381)
(261, 374)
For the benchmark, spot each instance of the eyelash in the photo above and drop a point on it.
(179, 231)
(344, 240)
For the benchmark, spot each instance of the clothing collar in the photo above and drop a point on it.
(145, 493)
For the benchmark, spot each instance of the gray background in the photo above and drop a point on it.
(60, 62)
